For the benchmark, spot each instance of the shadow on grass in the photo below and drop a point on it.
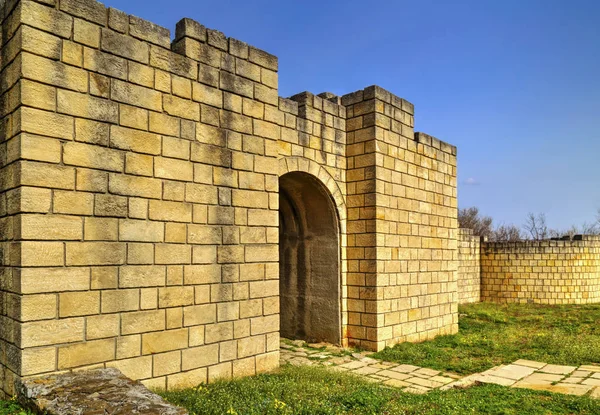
(319, 391)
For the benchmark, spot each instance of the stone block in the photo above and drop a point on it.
(165, 341)
(46, 18)
(48, 332)
(95, 253)
(73, 203)
(54, 73)
(110, 205)
(125, 46)
(85, 155)
(50, 227)
(202, 356)
(135, 186)
(74, 304)
(135, 140)
(46, 280)
(46, 123)
(142, 322)
(142, 276)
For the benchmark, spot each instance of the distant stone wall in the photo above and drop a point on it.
(541, 272)
(469, 267)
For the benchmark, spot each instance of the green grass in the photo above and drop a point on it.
(492, 334)
(318, 391)
(12, 408)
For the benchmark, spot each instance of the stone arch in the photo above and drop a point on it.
(301, 164)
(312, 236)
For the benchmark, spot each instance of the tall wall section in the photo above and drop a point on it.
(313, 141)
(139, 197)
(139, 201)
(469, 267)
(402, 224)
(542, 272)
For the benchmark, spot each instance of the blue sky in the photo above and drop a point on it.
(514, 84)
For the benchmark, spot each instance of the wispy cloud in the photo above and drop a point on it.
(471, 181)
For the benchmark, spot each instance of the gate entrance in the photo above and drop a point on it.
(309, 260)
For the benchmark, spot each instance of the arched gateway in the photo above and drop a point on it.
(309, 260)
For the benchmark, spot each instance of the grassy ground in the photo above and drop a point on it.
(318, 391)
(12, 408)
(489, 335)
(492, 334)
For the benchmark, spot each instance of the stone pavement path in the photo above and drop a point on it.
(582, 380)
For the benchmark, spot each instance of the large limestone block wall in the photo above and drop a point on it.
(542, 272)
(402, 224)
(313, 142)
(469, 267)
(139, 197)
(139, 201)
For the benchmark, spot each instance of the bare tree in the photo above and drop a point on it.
(506, 233)
(471, 219)
(535, 226)
(585, 229)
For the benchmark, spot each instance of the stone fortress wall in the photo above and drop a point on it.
(469, 267)
(139, 204)
(542, 272)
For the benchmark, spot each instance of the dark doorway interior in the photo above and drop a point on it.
(309, 260)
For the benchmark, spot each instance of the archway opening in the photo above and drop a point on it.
(309, 260)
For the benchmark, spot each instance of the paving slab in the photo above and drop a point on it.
(427, 372)
(572, 380)
(394, 375)
(591, 368)
(596, 376)
(595, 393)
(405, 368)
(538, 379)
(424, 382)
(558, 369)
(570, 389)
(353, 365)
(530, 363)
(380, 365)
(366, 370)
(441, 379)
(515, 372)
(591, 381)
(495, 380)
(582, 373)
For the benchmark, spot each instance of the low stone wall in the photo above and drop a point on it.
(543, 272)
(469, 267)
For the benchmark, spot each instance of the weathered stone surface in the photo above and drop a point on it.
(104, 391)
(153, 171)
